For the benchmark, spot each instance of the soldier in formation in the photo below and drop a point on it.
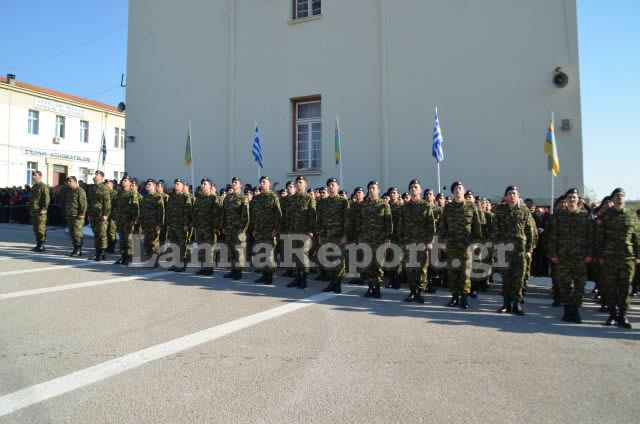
(301, 220)
(151, 219)
(127, 210)
(75, 208)
(38, 206)
(266, 217)
(99, 210)
(235, 223)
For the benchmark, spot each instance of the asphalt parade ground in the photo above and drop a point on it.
(87, 342)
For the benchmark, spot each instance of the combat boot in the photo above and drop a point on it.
(464, 301)
(566, 316)
(237, 275)
(201, 271)
(419, 298)
(622, 320)
(182, 268)
(303, 281)
(330, 287)
(76, 248)
(575, 315)
(369, 292)
(338, 286)
(613, 317)
(98, 257)
(412, 295)
(506, 306)
(36, 247)
(127, 260)
(455, 300)
(111, 247)
(376, 292)
(269, 279)
(295, 282)
(228, 274)
(516, 309)
(120, 259)
(634, 289)
(556, 297)
(261, 279)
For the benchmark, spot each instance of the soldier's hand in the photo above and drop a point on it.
(103, 218)
(600, 261)
(638, 261)
(186, 228)
(157, 228)
(310, 235)
(555, 260)
(274, 233)
(80, 216)
(587, 260)
(429, 246)
(343, 240)
(43, 212)
(528, 254)
(387, 241)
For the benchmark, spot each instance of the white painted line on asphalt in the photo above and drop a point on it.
(40, 392)
(81, 285)
(55, 268)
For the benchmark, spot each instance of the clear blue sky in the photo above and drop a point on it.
(80, 47)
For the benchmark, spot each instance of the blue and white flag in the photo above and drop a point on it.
(104, 148)
(257, 149)
(436, 150)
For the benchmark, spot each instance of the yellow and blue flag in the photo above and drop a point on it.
(187, 153)
(551, 151)
(337, 141)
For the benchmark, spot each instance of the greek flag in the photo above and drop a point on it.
(103, 151)
(436, 150)
(257, 149)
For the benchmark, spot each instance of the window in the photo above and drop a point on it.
(116, 174)
(305, 8)
(84, 131)
(60, 126)
(308, 135)
(84, 174)
(34, 116)
(31, 166)
(123, 134)
(116, 138)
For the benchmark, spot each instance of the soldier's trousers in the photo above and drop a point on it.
(336, 271)
(513, 275)
(258, 254)
(417, 272)
(99, 228)
(373, 272)
(163, 235)
(75, 229)
(124, 232)
(206, 236)
(572, 277)
(302, 264)
(236, 247)
(178, 237)
(394, 272)
(39, 223)
(459, 270)
(151, 240)
(618, 276)
(111, 232)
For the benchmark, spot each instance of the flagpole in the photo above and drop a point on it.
(192, 157)
(340, 147)
(552, 176)
(439, 187)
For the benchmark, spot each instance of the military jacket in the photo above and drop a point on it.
(235, 213)
(395, 216)
(39, 197)
(179, 210)
(75, 202)
(207, 212)
(374, 221)
(514, 225)
(571, 236)
(301, 214)
(266, 215)
(127, 208)
(334, 222)
(99, 201)
(460, 224)
(417, 223)
(617, 235)
(151, 211)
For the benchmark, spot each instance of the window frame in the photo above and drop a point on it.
(84, 132)
(116, 137)
(60, 126)
(30, 171)
(33, 122)
(295, 123)
(309, 3)
(123, 135)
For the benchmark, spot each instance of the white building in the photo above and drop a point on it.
(56, 133)
(381, 65)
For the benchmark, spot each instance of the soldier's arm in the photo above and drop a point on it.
(245, 217)
(277, 214)
(82, 203)
(431, 225)
(160, 213)
(346, 222)
(598, 237)
(106, 206)
(636, 240)
(442, 231)
(476, 226)
(134, 208)
(388, 221)
(46, 198)
(552, 243)
(312, 215)
(530, 231)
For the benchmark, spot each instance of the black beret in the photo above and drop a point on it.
(126, 177)
(205, 179)
(341, 192)
(288, 183)
(236, 179)
(392, 189)
(223, 191)
(405, 194)
(160, 181)
(150, 180)
(572, 191)
(178, 180)
(300, 178)
(264, 177)
(100, 173)
(248, 190)
(322, 189)
(510, 188)
(454, 185)
(358, 189)
(134, 181)
(414, 181)
(71, 178)
(616, 191)
(332, 180)
(310, 190)
(439, 196)
(468, 193)
(372, 182)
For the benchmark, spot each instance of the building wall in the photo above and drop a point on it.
(382, 66)
(17, 146)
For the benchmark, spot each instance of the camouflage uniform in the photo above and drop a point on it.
(617, 236)
(235, 222)
(127, 210)
(75, 205)
(515, 226)
(352, 234)
(164, 228)
(284, 202)
(571, 242)
(374, 225)
(459, 228)
(396, 209)
(301, 219)
(38, 201)
(151, 220)
(440, 272)
(207, 216)
(417, 225)
(99, 206)
(179, 215)
(112, 227)
(265, 219)
(334, 224)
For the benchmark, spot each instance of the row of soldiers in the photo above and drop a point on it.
(575, 239)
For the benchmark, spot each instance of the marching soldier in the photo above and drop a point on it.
(459, 228)
(75, 208)
(417, 227)
(111, 222)
(235, 222)
(333, 228)
(266, 217)
(127, 211)
(38, 206)
(151, 219)
(513, 224)
(179, 215)
(207, 214)
(617, 247)
(374, 227)
(396, 208)
(570, 250)
(302, 219)
(99, 210)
